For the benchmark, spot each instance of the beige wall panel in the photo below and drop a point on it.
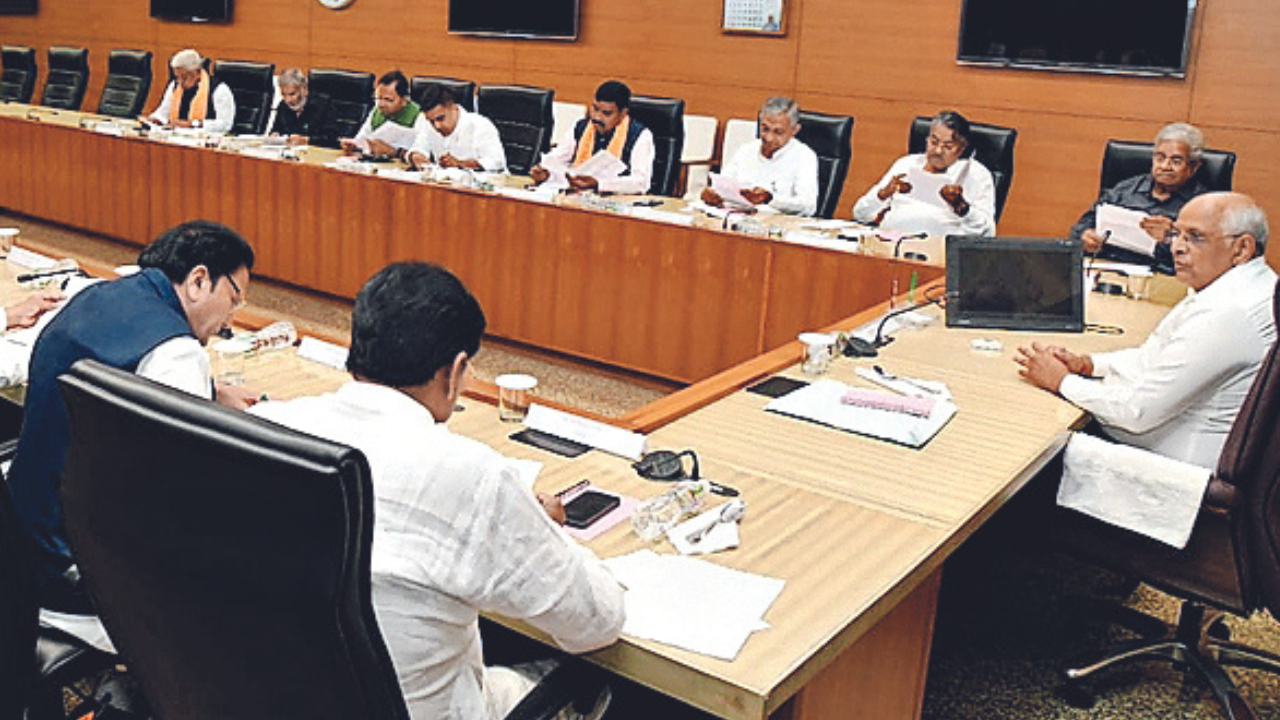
(1237, 72)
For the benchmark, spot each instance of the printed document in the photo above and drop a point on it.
(1125, 226)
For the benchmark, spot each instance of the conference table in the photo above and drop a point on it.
(859, 529)
(678, 297)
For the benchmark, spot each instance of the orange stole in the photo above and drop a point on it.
(588, 141)
(199, 104)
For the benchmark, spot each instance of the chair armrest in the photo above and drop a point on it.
(572, 682)
(1222, 496)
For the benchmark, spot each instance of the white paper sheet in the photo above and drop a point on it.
(1125, 228)
(729, 191)
(693, 604)
(925, 186)
(588, 432)
(319, 351)
(820, 402)
(601, 166)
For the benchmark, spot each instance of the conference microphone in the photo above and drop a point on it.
(897, 246)
(1106, 288)
(857, 347)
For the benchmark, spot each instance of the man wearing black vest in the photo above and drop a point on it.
(609, 127)
(194, 98)
(301, 117)
(153, 323)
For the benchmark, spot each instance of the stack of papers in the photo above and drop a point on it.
(820, 402)
(692, 604)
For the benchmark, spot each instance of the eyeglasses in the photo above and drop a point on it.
(1177, 162)
(237, 299)
(949, 145)
(1194, 238)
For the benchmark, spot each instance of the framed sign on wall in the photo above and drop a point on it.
(757, 17)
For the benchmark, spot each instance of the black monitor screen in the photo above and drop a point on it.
(17, 7)
(1015, 284)
(192, 10)
(553, 19)
(1143, 37)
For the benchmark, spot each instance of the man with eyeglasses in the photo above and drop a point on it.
(153, 323)
(961, 199)
(777, 169)
(1179, 392)
(1161, 194)
(393, 124)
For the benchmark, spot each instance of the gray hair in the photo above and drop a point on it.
(1245, 219)
(1188, 135)
(781, 106)
(292, 77)
(186, 60)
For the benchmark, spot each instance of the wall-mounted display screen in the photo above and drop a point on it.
(1138, 37)
(17, 7)
(547, 19)
(192, 10)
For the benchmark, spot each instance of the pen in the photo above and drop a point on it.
(724, 490)
(580, 484)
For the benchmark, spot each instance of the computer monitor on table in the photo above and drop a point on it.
(1015, 283)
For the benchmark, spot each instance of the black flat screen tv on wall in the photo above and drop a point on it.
(534, 19)
(192, 10)
(17, 7)
(1132, 37)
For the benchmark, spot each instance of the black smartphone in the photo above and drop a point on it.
(776, 386)
(589, 507)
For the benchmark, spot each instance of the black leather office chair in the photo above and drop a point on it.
(253, 85)
(246, 544)
(523, 118)
(350, 96)
(1232, 561)
(34, 662)
(992, 146)
(128, 82)
(665, 119)
(18, 78)
(1123, 159)
(67, 78)
(464, 91)
(831, 138)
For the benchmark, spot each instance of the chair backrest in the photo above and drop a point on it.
(128, 83)
(1250, 462)
(565, 116)
(665, 119)
(18, 78)
(992, 146)
(1123, 159)
(253, 85)
(228, 557)
(737, 132)
(350, 97)
(699, 138)
(18, 612)
(67, 78)
(464, 91)
(831, 138)
(524, 120)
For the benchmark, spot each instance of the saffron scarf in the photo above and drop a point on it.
(199, 104)
(588, 141)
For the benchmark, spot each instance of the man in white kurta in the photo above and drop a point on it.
(456, 532)
(956, 195)
(454, 137)
(775, 169)
(1180, 391)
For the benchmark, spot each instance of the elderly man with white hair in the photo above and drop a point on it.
(1161, 194)
(775, 169)
(194, 98)
(1180, 391)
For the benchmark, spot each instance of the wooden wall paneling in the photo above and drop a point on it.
(1236, 68)
(1256, 174)
(63, 178)
(810, 289)
(308, 211)
(123, 187)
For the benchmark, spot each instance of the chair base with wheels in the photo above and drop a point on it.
(1198, 644)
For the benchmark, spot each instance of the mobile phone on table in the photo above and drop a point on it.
(589, 507)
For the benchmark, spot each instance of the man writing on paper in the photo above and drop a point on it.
(939, 192)
(153, 323)
(393, 124)
(455, 137)
(776, 170)
(1161, 194)
(1179, 392)
(609, 128)
(194, 98)
(300, 117)
(458, 532)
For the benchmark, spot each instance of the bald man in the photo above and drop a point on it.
(1180, 391)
